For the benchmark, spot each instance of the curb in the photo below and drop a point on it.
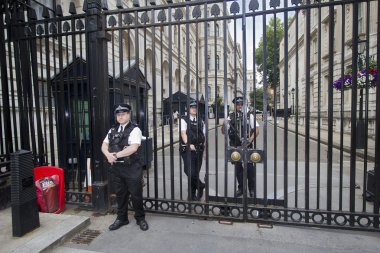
(68, 234)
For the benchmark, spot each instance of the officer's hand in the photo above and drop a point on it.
(192, 147)
(245, 143)
(111, 158)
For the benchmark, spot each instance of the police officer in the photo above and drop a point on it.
(121, 148)
(235, 129)
(193, 137)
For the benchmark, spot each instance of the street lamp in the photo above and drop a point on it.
(271, 95)
(360, 124)
(293, 90)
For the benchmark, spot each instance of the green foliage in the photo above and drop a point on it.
(273, 52)
(259, 99)
(219, 100)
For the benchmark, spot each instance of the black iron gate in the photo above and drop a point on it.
(61, 72)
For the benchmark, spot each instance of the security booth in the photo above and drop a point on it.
(178, 102)
(71, 97)
(131, 87)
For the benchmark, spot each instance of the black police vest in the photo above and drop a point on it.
(194, 132)
(236, 129)
(118, 141)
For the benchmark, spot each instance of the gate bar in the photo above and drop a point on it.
(307, 113)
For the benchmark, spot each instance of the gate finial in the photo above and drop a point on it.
(104, 5)
(72, 9)
(254, 5)
(274, 3)
(235, 8)
(92, 4)
(58, 11)
(119, 4)
(296, 2)
(45, 13)
(136, 3)
(32, 14)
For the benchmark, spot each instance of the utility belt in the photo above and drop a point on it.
(198, 148)
(124, 161)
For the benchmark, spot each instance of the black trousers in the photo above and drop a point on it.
(250, 176)
(124, 187)
(192, 168)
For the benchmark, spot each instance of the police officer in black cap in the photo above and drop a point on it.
(235, 129)
(193, 138)
(121, 148)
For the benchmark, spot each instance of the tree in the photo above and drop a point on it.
(219, 101)
(259, 99)
(273, 52)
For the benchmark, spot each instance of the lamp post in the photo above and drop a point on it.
(293, 90)
(271, 95)
(360, 124)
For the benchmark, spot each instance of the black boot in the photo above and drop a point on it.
(239, 193)
(202, 186)
(143, 225)
(117, 224)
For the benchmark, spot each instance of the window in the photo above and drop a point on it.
(175, 35)
(360, 19)
(209, 93)
(191, 53)
(313, 95)
(217, 30)
(208, 62)
(315, 47)
(217, 62)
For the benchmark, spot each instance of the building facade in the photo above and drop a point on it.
(296, 70)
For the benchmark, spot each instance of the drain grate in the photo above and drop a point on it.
(86, 237)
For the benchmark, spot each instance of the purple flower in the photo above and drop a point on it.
(346, 81)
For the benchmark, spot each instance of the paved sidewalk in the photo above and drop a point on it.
(175, 234)
(54, 230)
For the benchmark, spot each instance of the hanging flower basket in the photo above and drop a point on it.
(346, 81)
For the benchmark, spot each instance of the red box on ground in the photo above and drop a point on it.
(48, 171)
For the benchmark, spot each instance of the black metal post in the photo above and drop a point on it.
(293, 90)
(99, 100)
(360, 123)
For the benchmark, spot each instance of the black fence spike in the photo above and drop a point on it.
(119, 4)
(45, 13)
(72, 8)
(105, 5)
(254, 5)
(84, 6)
(136, 3)
(32, 14)
(197, 12)
(58, 11)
